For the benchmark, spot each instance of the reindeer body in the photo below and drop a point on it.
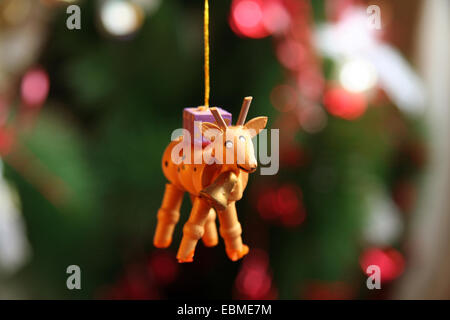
(206, 183)
(193, 178)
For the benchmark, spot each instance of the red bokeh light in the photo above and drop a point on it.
(276, 18)
(344, 104)
(310, 82)
(293, 157)
(283, 204)
(390, 262)
(34, 88)
(246, 19)
(312, 118)
(266, 204)
(258, 18)
(300, 31)
(6, 141)
(248, 14)
(163, 267)
(254, 280)
(291, 54)
(134, 285)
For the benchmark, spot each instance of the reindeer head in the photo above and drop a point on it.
(233, 144)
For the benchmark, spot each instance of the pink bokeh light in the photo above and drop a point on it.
(35, 87)
(258, 19)
(390, 262)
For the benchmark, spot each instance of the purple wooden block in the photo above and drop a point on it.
(195, 114)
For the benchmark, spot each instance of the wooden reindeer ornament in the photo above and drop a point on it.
(214, 187)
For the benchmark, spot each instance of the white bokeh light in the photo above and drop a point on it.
(120, 18)
(358, 75)
(350, 38)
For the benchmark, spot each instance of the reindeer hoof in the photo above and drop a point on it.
(162, 244)
(210, 242)
(189, 258)
(235, 254)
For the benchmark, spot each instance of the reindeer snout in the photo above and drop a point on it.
(248, 168)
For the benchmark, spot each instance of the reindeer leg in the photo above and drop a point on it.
(230, 230)
(168, 216)
(193, 230)
(210, 238)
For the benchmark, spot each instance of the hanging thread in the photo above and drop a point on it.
(206, 39)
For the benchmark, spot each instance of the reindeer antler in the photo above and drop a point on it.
(244, 111)
(222, 124)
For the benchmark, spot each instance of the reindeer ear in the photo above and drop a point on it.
(210, 130)
(256, 125)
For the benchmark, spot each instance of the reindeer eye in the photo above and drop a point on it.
(228, 144)
(242, 138)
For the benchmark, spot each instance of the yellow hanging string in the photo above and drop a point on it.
(206, 39)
